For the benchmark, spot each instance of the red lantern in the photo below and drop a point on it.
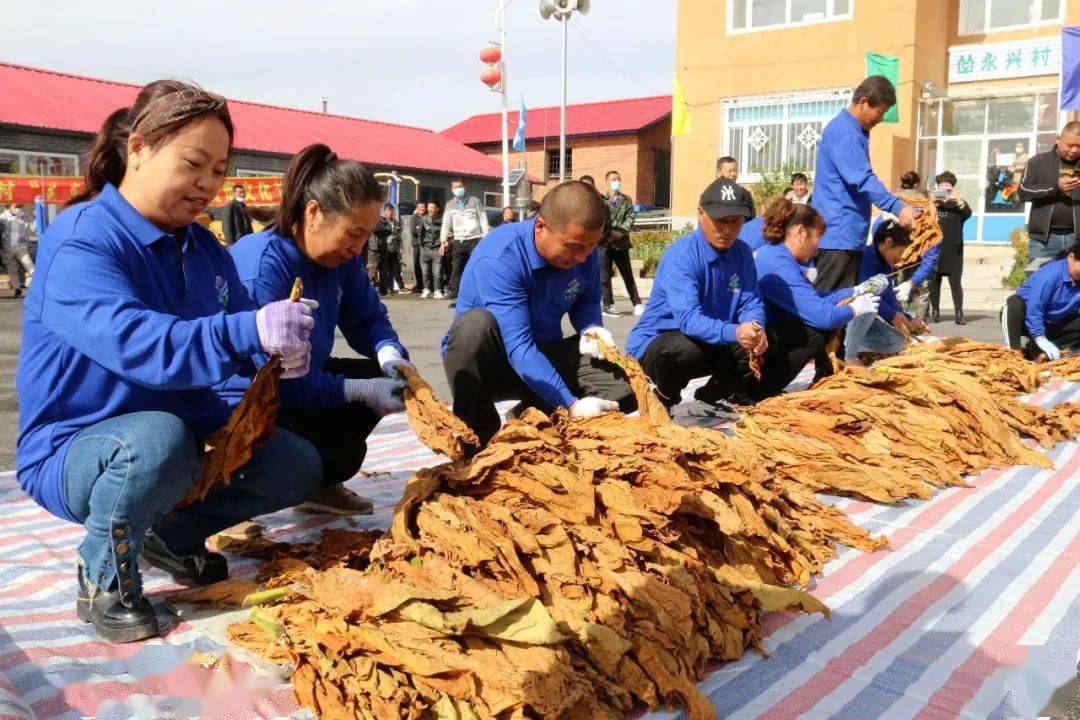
(491, 76)
(490, 55)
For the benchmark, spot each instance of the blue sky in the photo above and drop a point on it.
(407, 61)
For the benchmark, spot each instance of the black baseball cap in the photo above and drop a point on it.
(723, 198)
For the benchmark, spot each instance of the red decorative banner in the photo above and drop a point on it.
(25, 189)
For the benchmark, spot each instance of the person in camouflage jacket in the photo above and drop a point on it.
(615, 246)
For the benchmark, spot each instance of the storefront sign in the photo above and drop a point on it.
(998, 61)
(26, 189)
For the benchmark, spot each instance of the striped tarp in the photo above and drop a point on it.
(974, 611)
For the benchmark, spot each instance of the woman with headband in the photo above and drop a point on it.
(329, 210)
(136, 312)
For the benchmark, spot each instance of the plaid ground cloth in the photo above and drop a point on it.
(973, 612)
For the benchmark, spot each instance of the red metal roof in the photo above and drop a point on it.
(45, 99)
(610, 117)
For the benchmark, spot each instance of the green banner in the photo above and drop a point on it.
(889, 66)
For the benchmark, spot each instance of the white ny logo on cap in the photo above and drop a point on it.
(727, 192)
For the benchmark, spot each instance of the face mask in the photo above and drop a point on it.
(811, 274)
(615, 186)
(459, 193)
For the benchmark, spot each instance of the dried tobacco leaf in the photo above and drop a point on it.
(927, 232)
(439, 429)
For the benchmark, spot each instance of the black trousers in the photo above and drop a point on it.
(673, 359)
(954, 287)
(479, 373)
(835, 269)
(390, 272)
(418, 273)
(617, 253)
(446, 269)
(339, 434)
(792, 344)
(462, 251)
(1065, 335)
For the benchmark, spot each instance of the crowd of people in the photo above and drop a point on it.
(143, 331)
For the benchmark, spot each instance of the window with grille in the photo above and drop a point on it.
(553, 164)
(750, 15)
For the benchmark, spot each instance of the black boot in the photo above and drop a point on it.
(112, 620)
(960, 319)
(935, 316)
(203, 568)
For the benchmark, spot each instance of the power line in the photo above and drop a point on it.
(614, 64)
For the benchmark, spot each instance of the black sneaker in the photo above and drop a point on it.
(205, 568)
(610, 311)
(720, 409)
(112, 619)
(453, 304)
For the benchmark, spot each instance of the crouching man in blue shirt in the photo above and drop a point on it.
(135, 314)
(704, 316)
(1046, 309)
(506, 340)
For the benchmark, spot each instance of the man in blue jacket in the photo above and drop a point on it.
(506, 342)
(704, 316)
(845, 185)
(1046, 309)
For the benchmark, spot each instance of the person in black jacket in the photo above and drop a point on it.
(235, 221)
(952, 213)
(416, 230)
(388, 232)
(1050, 183)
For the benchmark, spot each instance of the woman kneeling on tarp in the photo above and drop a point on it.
(329, 209)
(797, 316)
(136, 311)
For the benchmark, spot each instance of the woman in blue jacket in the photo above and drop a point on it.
(797, 316)
(135, 314)
(329, 209)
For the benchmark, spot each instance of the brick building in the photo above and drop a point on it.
(632, 136)
(47, 120)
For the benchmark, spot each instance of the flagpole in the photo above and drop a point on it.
(505, 122)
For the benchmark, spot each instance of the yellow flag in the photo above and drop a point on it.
(680, 114)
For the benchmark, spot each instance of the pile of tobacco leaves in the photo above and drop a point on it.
(587, 568)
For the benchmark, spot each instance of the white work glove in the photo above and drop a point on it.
(874, 286)
(592, 406)
(588, 345)
(1052, 351)
(284, 328)
(864, 304)
(389, 358)
(903, 291)
(383, 395)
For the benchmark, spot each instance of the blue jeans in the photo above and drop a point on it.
(866, 334)
(1056, 243)
(124, 475)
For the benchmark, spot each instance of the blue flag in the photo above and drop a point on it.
(1070, 68)
(519, 136)
(41, 217)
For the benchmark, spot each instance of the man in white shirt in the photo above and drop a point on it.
(15, 250)
(465, 219)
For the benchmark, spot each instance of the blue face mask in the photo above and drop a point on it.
(616, 185)
(459, 193)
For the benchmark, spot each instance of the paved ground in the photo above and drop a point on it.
(421, 324)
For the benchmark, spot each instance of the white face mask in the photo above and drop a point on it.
(811, 274)
(459, 192)
(616, 185)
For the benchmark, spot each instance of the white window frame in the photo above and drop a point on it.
(497, 195)
(745, 174)
(1006, 28)
(34, 171)
(256, 173)
(830, 16)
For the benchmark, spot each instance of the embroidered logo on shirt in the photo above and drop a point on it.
(222, 288)
(734, 284)
(573, 289)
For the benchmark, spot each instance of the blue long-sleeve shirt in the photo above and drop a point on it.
(752, 234)
(1051, 295)
(926, 266)
(788, 294)
(873, 264)
(845, 185)
(268, 263)
(528, 297)
(123, 317)
(701, 291)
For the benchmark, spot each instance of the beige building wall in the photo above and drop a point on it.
(712, 66)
